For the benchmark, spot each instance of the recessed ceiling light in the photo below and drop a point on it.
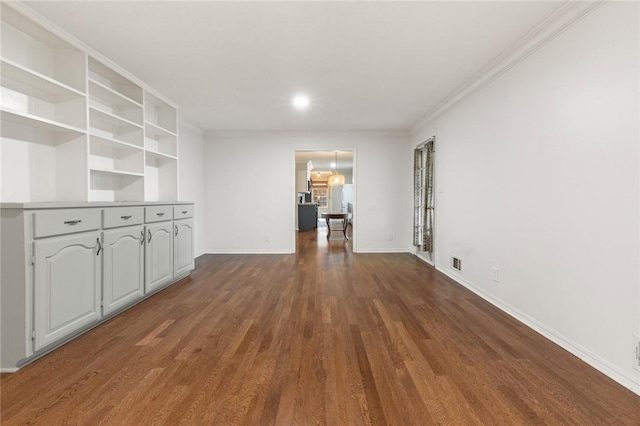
(300, 102)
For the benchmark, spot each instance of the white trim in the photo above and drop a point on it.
(385, 250)
(424, 259)
(191, 127)
(605, 367)
(301, 133)
(555, 24)
(9, 369)
(247, 251)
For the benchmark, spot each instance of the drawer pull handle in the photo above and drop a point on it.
(99, 247)
(160, 214)
(176, 230)
(125, 217)
(149, 239)
(142, 237)
(72, 222)
(184, 211)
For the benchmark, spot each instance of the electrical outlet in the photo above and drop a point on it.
(390, 237)
(636, 352)
(495, 274)
(266, 239)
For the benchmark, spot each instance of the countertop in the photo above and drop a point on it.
(91, 204)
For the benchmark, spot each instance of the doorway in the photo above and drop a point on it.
(324, 182)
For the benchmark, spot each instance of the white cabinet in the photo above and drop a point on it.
(123, 281)
(158, 255)
(182, 247)
(68, 272)
(61, 262)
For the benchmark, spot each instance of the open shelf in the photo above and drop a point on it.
(111, 185)
(160, 114)
(34, 95)
(14, 74)
(77, 128)
(26, 43)
(109, 126)
(159, 140)
(34, 129)
(157, 158)
(109, 101)
(105, 76)
(161, 173)
(110, 155)
(42, 172)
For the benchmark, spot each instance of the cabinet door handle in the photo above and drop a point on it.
(99, 247)
(176, 226)
(125, 217)
(160, 214)
(142, 237)
(149, 239)
(184, 211)
(72, 222)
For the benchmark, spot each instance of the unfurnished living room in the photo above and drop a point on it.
(320, 212)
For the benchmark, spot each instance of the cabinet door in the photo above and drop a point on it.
(68, 273)
(123, 281)
(182, 247)
(158, 255)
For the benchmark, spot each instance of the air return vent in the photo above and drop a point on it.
(456, 263)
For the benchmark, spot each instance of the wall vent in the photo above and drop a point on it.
(456, 263)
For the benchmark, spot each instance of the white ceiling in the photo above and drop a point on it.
(235, 65)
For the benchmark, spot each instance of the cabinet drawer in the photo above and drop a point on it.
(183, 211)
(158, 213)
(122, 216)
(68, 221)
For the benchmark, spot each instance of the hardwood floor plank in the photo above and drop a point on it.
(320, 337)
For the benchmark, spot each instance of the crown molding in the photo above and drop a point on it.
(569, 13)
(191, 127)
(305, 133)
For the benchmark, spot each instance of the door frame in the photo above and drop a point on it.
(293, 180)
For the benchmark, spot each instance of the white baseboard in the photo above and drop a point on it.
(424, 259)
(384, 250)
(9, 370)
(605, 367)
(247, 251)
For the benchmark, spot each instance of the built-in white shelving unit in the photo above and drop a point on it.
(43, 107)
(75, 128)
(161, 148)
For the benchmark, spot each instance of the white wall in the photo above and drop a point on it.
(250, 182)
(191, 178)
(538, 175)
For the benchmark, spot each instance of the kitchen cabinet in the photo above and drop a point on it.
(307, 216)
(182, 247)
(123, 279)
(66, 267)
(68, 272)
(158, 255)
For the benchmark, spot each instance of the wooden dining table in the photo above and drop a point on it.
(344, 217)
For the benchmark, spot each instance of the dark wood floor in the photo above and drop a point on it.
(321, 337)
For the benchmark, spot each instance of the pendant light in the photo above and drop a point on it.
(336, 179)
